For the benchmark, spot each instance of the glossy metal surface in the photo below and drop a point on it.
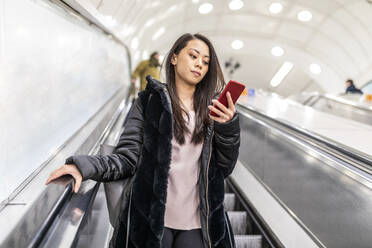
(331, 204)
(29, 229)
(56, 71)
(350, 161)
(95, 230)
(348, 133)
(68, 222)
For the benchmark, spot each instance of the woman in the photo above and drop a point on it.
(179, 154)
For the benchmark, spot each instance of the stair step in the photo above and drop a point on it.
(248, 241)
(229, 202)
(238, 221)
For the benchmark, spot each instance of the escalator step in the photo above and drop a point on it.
(248, 241)
(229, 202)
(238, 221)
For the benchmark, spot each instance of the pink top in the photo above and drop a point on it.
(182, 207)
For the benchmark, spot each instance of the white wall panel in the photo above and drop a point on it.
(56, 71)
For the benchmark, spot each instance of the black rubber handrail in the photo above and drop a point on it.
(344, 153)
(66, 194)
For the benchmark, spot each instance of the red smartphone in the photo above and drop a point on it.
(235, 89)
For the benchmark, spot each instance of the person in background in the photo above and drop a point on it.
(350, 87)
(147, 67)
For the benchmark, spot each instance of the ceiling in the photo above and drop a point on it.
(338, 38)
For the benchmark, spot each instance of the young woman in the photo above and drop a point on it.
(178, 154)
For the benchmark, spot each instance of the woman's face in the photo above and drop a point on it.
(192, 62)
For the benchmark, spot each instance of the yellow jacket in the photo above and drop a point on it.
(143, 69)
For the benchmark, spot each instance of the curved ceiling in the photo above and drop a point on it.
(338, 38)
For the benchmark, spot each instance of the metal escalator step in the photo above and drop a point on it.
(238, 221)
(248, 241)
(229, 202)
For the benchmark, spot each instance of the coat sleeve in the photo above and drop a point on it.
(122, 163)
(226, 141)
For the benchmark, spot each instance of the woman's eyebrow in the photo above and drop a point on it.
(198, 52)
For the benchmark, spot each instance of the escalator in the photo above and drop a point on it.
(244, 235)
(290, 188)
(339, 106)
(325, 187)
(81, 220)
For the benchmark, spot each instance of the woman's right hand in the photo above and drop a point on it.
(67, 169)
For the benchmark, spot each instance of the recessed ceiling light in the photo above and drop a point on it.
(205, 8)
(158, 33)
(237, 44)
(277, 51)
(276, 8)
(281, 74)
(304, 15)
(134, 43)
(195, 1)
(236, 4)
(315, 69)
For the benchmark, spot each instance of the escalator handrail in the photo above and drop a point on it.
(345, 102)
(61, 201)
(65, 196)
(326, 143)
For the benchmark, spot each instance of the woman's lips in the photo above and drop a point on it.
(197, 74)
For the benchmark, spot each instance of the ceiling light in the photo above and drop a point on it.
(195, 1)
(277, 51)
(134, 44)
(205, 8)
(304, 16)
(315, 69)
(281, 74)
(237, 44)
(158, 33)
(236, 4)
(276, 8)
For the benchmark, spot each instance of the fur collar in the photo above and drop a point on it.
(155, 85)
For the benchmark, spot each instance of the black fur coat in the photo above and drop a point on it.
(144, 150)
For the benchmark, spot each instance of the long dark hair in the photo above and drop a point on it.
(211, 85)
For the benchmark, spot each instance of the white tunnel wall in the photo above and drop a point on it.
(56, 71)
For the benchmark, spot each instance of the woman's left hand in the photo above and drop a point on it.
(224, 114)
